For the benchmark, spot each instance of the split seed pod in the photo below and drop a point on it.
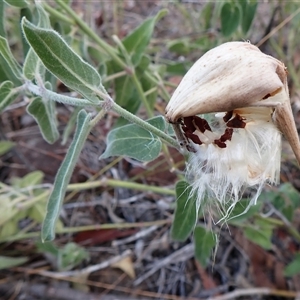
(238, 144)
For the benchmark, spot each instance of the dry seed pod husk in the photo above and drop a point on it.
(231, 76)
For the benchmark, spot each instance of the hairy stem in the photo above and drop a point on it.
(120, 184)
(136, 120)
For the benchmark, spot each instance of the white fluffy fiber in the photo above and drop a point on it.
(251, 159)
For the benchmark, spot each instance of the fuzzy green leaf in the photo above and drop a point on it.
(206, 15)
(259, 235)
(69, 128)
(293, 268)
(17, 3)
(63, 176)
(125, 91)
(137, 41)
(186, 215)
(8, 61)
(205, 241)
(29, 14)
(230, 18)
(7, 94)
(180, 46)
(7, 262)
(32, 178)
(32, 65)
(2, 28)
(43, 111)
(63, 62)
(248, 13)
(71, 255)
(286, 199)
(5, 146)
(242, 212)
(134, 141)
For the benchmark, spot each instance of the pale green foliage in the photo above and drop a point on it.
(130, 70)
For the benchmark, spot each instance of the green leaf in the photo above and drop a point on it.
(206, 15)
(7, 94)
(9, 61)
(230, 18)
(63, 176)
(137, 41)
(2, 28)
(32, 65)
(63, 62)
(126, 93)
(37, 211)
(7, 212)
(26, 12)
(259, 235)
(7, 262)
(248, 14)
(47, 247)
(32, 178)
(44, 21)
(124, 90)
(6, 72)
(238, 214)
(286, 199)
(180, 46)
(147, 85)
(290, 195)
(43, 111)
(17, 3)
(5, 146)
(134, 141)
(177, 68)
(186, 214)
(71, 256)
(9, 225)
(204, 241)
(70, 126)
(293, 268)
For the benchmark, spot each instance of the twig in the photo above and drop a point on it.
(278, 27)
(256, 291)
(120, 183)
(182, 254)
(103, 285)
(134, 237)
(29, 235)
(44, 291)
(97, 267)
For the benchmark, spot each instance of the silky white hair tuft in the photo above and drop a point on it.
(251, 159)
(229, 111)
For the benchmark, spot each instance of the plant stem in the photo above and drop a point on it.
(82, 102)
(281, 223)
(160, 84)
(131, 72)
(291, 68)
(121, 184)
(30, 235)
(136, 120)
(140, 91)
(43, 92)
(115, 76)
(57, 14)
(98, 117)
(111, 51)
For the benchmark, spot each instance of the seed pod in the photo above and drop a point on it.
(238, 145)
(231, 76)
